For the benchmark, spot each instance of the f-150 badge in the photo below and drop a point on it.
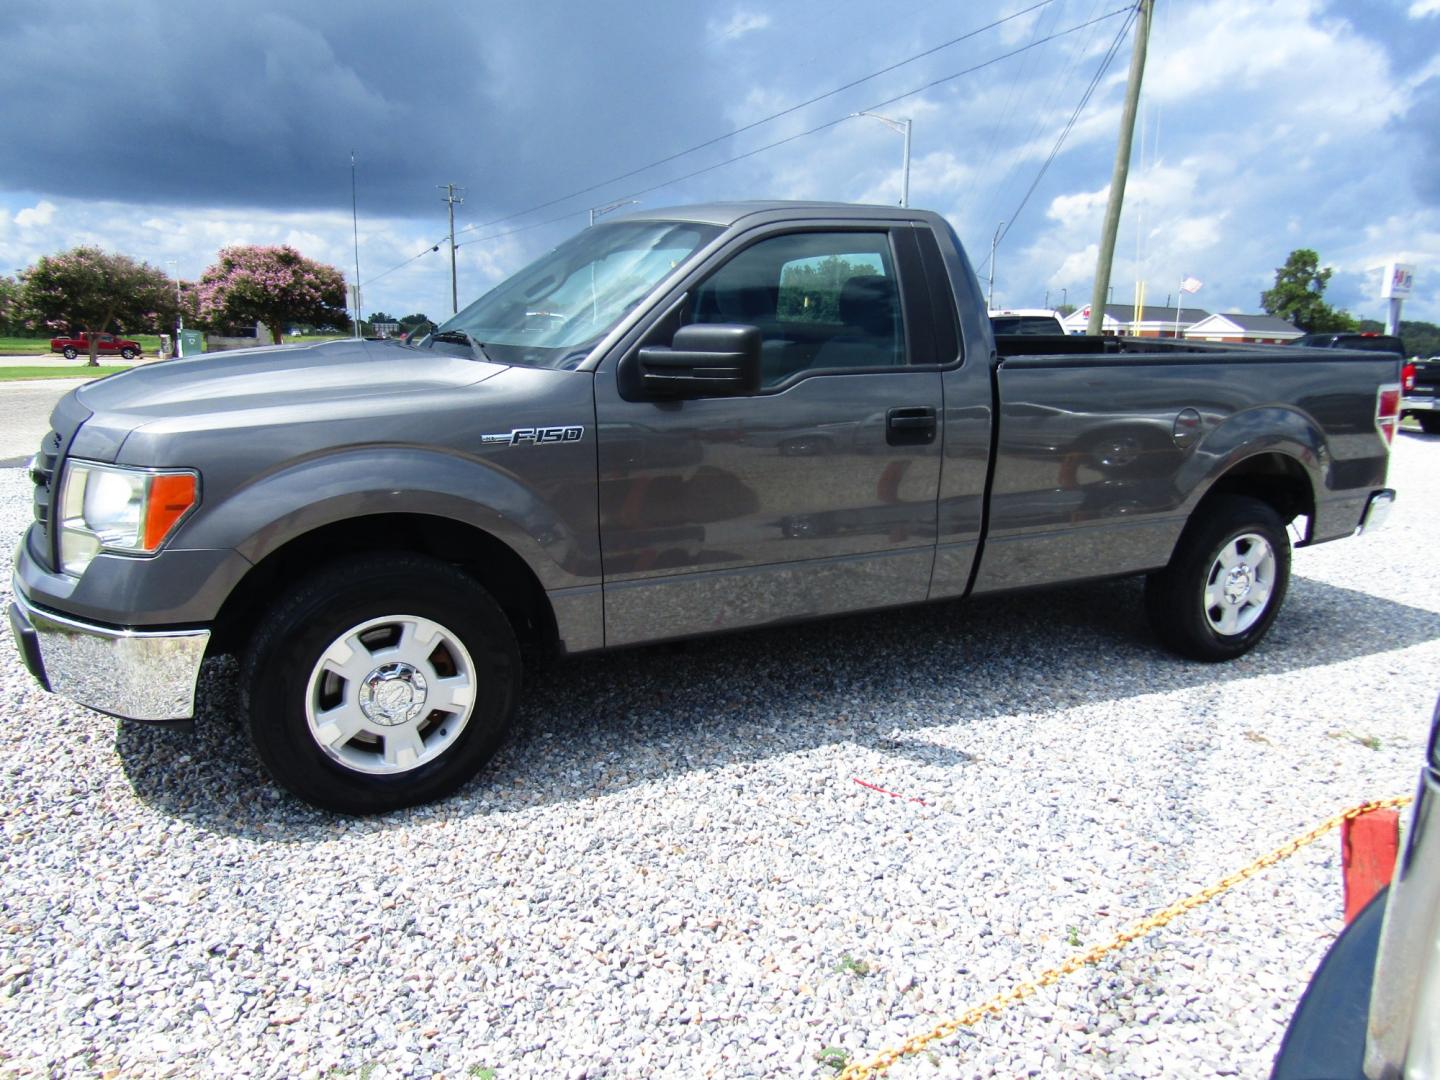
(535, 436)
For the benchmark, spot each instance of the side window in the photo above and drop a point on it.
(822, 300)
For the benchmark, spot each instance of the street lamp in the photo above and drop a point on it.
(597, 211)
(994, 241)
(903, 127)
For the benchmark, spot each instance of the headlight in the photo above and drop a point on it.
(113, 508)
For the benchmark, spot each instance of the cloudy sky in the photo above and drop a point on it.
(1266, 125)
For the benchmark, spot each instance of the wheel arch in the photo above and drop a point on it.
(1272, 476)
(482, 556)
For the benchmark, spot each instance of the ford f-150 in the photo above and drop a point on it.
(674, 423)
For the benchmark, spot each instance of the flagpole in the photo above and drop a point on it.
(1179, 299)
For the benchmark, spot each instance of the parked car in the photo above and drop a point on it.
(1366, 340)
(673, 424)
(1420, 387)
(1028, 321)
(1372, 1009)
(105, 345)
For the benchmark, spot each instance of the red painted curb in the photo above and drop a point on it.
(1369, 845)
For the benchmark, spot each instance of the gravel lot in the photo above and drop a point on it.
(671, 871)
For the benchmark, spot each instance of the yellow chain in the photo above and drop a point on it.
(1021, 990)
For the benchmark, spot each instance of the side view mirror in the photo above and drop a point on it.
(703, 360)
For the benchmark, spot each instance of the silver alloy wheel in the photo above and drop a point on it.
(1240, 584)
(390, 694)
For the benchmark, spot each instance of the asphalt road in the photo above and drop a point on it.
(25, 416)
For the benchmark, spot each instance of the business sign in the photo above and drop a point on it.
(1398, 281)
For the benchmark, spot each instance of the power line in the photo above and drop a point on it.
(825, 126)
(767, 146)
(1074, 116)
(763, 120)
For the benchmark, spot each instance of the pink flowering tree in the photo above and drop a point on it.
(9, 305)
(92, 291)
(274, 285)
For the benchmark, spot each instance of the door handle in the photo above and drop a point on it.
(911, 425)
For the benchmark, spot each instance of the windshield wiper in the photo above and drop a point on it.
(460, 337)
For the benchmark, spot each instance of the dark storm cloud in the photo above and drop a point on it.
(259, 103)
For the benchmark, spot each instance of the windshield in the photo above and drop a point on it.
(552, 313)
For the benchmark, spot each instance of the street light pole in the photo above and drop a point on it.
(600, 211)
(994, 242)
(903, 127)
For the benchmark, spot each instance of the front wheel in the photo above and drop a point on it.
(385, 682)
(1429, 422)
(70, 352)
(1225, 583)
(127, 354)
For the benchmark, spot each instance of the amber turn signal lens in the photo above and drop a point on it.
(170, 497)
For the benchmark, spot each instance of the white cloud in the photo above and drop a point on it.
(740, 23)
(42, 213)
(1421, 8)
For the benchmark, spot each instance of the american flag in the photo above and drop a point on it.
(1190, 284)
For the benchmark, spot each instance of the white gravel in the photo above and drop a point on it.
(670, 872)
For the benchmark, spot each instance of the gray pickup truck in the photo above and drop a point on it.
(674, 423)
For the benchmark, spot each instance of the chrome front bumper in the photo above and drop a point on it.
(136, 674)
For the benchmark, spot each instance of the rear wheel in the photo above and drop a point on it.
(385, 682)
(1225, 583)
(1429, 422)
(70, 352)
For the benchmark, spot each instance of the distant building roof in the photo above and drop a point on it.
(1255, 324)
(1125, 314)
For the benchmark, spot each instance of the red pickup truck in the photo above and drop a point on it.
(105, 344)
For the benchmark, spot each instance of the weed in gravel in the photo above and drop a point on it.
(858, 968)
(1072, 935)
(834, 1057)
(1370, 742)
(481, 1072)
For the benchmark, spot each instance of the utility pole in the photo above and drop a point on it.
(1122, 170)
(451, 199)
(355, 228)
(994, 241)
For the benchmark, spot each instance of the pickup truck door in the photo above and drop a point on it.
(815, 495)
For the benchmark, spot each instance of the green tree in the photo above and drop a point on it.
(274, 285)
(89, 290)
(1298, 295)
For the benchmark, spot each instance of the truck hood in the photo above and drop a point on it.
(284, 382)
(293, 374)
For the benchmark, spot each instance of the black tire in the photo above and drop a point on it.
(1429, 421)
(287, 649)
(127, 354)
(1176, 597)
(70, 352)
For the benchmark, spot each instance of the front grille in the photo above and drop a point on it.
(42, 472)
